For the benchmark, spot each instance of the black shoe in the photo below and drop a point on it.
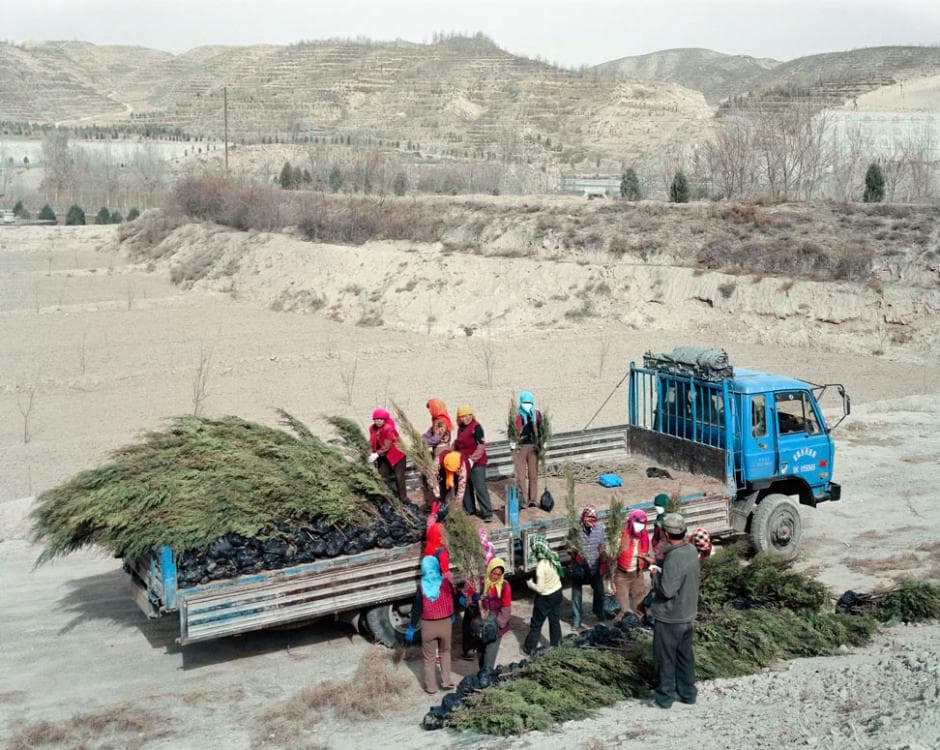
(487, 519)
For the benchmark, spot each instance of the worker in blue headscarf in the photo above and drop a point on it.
(525, 445)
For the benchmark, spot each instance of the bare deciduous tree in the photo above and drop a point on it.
(201, 378)
(603, 351)
(486, 353)
(82, 356)
(25, 400)
(347, 374)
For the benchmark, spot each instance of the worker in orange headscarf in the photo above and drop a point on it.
(439, 434)
(455, 472)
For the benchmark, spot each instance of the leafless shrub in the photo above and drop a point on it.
(485, 353)
(347, 374)
(25, 401)
(200, 385)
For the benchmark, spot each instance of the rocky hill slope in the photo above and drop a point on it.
(833, 76)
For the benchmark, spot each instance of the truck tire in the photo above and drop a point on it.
(776, 526)
(388, 623)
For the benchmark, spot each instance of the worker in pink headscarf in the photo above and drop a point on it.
(386, 455)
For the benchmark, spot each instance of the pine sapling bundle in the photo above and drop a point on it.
(543, 436)
(351, 438)
(512, 433)
(413, 445)
(613, 530)
(463, 543)
(572, 513)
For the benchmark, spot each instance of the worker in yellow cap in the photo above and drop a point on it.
(471, 444)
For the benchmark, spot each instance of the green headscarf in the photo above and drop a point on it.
(542, 551)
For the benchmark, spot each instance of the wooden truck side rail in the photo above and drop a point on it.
(274, 597)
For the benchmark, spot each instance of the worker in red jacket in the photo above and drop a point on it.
(386, 455)
(471, 443)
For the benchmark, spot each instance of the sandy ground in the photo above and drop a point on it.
(111, 350)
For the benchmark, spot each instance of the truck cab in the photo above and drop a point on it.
(764, 434)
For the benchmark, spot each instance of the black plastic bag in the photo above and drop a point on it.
(547, 502)
(486, 631)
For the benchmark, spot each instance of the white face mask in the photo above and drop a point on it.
(638, 527)
(660, 510)
(527, 406)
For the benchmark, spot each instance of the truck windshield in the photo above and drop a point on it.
(795, 413)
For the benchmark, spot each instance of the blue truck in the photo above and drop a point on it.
(745, 449)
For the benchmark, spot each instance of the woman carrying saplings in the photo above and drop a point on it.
(434, 609)
(495, 605)
(386, 455)
(548, 596)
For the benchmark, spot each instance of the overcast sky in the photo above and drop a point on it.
(570, 32)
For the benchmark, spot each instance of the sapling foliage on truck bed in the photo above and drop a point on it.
(187, 486)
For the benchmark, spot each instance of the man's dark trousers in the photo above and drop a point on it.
(674, 662)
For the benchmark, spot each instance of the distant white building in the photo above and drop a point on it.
(589, 187)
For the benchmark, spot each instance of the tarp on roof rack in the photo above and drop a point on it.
(710, 364)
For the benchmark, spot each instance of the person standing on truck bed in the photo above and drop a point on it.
(386, 455)
(525, 453)
(472, 446)
(592, 541)
(455, 474)
(439, 435)
(675, 604)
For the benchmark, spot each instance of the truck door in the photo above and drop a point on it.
(760, 455)
(803, 447)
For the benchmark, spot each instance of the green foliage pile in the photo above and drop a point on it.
(751, 615)
(201, 479)
(566, 683)
(767, 579)
(912, 601)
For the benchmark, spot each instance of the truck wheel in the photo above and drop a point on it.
(776, 526)
(389, 622)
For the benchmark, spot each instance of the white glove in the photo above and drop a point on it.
(513, 445)
(656, 569)
(373, 457)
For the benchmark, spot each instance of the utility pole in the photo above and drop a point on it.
(225, 115)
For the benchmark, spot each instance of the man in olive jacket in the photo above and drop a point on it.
(675, 603)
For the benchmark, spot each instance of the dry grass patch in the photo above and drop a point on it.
(878, 566)
(122, 726)
(375, 689)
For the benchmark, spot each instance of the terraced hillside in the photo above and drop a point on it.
(716, 75)
(833, 77)
(461, 97)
